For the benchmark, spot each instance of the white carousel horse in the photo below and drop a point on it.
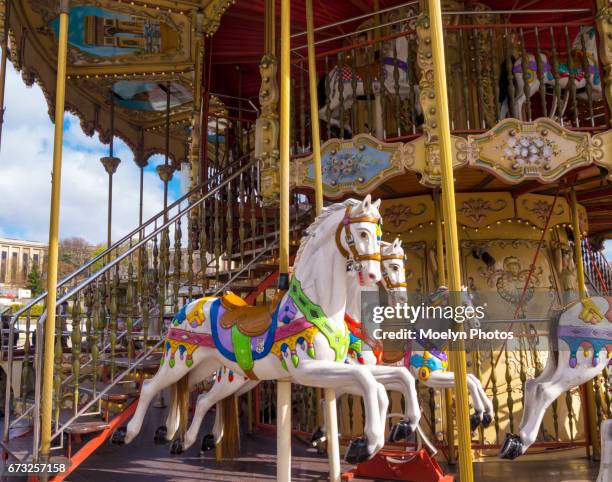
(581, 345)
(337, 100)
(302, 337)
(392, 378)
(573, 66)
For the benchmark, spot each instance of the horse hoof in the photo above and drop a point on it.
(176, 447)
(316, 437)
(512, 447)
(357, 451)
(475, 421)
(118, 437)
(208, 443)
(400, 431)
(486, 420)
(160, 435)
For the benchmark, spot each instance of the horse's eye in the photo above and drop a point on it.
(363, 235)
(395, 267)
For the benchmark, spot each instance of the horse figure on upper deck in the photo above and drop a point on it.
(580, 349)
(391, 74)
(582, 65)
(301, 335)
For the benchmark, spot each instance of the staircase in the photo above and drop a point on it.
(597, 270)
(113, 311)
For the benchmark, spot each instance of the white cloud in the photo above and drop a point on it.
(25, 176)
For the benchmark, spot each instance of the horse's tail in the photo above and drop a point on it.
(179, 406)
(321, 95)
(230, 442)
(553, 339)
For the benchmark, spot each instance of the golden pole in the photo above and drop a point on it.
(457, 355)
(60, 97)
(441, 281)
(314, 108)
(285, 99)
(590, 391)
(283, 387)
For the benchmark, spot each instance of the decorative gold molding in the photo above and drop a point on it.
(267, 130)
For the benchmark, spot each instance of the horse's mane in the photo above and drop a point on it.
(326, 212)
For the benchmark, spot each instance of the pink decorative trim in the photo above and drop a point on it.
(201, 339)
(204, 339)
(291, 329)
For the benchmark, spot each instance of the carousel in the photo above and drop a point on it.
(456, 153)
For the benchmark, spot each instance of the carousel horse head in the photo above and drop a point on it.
(394, 272)
(357, 235)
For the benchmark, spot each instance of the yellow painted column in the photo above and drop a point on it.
(60, 97)
(590, 392)
(333, 447)
(314, 108)
(448, 392)
(283, 387)
(457, 355)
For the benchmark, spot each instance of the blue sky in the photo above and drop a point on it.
(25, 167)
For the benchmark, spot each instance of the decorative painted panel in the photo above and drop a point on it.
(500, 285)
(358, 165)
(400, 215)
(515, 151)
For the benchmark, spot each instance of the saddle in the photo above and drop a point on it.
(250, 320)
(390, 356)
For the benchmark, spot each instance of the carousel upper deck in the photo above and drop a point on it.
(530, 92)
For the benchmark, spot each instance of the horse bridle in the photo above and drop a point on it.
(385, 274)
(354, 257)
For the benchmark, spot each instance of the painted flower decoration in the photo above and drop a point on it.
(529, 151)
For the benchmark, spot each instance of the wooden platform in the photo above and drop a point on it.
(144, 461)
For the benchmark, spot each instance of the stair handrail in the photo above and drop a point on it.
(128, 236)
(93, 277)
(143, 357)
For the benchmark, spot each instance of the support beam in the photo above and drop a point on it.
(595, 193)
(457, 355)
(56, 179)
(283, 401)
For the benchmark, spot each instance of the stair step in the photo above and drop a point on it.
(86, 427)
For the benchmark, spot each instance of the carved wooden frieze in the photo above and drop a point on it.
(403, 214)
(515, 151)
(480, 209)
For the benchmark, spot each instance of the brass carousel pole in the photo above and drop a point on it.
(110, 164)
(441, 281)
(165, 171)
(3, 61)
(590, 393)
(458, 359)
(331, 414)
(60, 98)
(283, 400)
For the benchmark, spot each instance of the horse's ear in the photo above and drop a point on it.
(397, 243)
(376, 203)
(366, 203)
